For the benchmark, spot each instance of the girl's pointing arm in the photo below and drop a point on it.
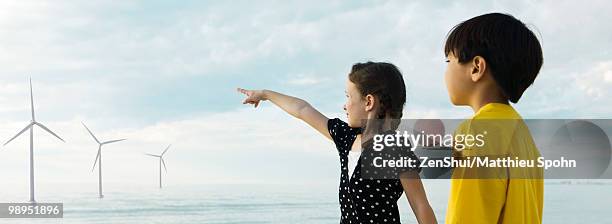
(292, 105)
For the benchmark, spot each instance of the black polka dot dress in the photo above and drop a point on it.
(362, 200)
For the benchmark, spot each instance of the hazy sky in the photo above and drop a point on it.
(162, 72)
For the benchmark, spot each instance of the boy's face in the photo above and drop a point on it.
(355, 106)
(458, 80)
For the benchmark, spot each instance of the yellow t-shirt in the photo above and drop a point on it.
(518, 199)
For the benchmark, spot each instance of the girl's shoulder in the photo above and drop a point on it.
(339, 127)
(342, 134)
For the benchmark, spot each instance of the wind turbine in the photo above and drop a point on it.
(99, 157)
(161, 161)
(31, 128)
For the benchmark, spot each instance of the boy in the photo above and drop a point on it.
(492, 59)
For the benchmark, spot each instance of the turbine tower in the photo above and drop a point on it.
(99, 158)
(30, 127)
(161, 162)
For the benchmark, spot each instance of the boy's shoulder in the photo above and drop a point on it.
(496, 111)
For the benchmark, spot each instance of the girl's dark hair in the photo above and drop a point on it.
(385, 82)
(512, 52)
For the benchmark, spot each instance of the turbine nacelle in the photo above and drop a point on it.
(161, 156)
(100, 144)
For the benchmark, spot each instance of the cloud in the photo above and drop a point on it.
(301, 80)
(127, 45)
(597, 82)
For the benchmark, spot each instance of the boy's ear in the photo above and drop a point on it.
(479, 66)
(370, 99)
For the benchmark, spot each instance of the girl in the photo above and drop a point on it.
(374, 91)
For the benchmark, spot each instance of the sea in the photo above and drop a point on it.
(568, 201)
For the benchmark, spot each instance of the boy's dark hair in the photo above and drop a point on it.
(512, 52)
(385, 82)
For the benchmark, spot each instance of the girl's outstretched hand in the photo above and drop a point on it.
(253, 96)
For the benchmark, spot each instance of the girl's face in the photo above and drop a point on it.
(458, 81)
(356, 105)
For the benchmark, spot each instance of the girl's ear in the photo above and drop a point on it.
(369, 101)
(479, 66)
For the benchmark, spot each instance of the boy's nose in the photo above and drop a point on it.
(344, 107)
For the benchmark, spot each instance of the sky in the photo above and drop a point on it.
(165, 72)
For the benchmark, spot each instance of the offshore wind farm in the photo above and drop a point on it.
(98, 159)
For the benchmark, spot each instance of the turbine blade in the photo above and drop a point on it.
(96, 161)
(32, 99)
(151, 155)
(22, 131)
(112, 141)
(92, 135)
(47, 129)
(164, 164)
(166, 150)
